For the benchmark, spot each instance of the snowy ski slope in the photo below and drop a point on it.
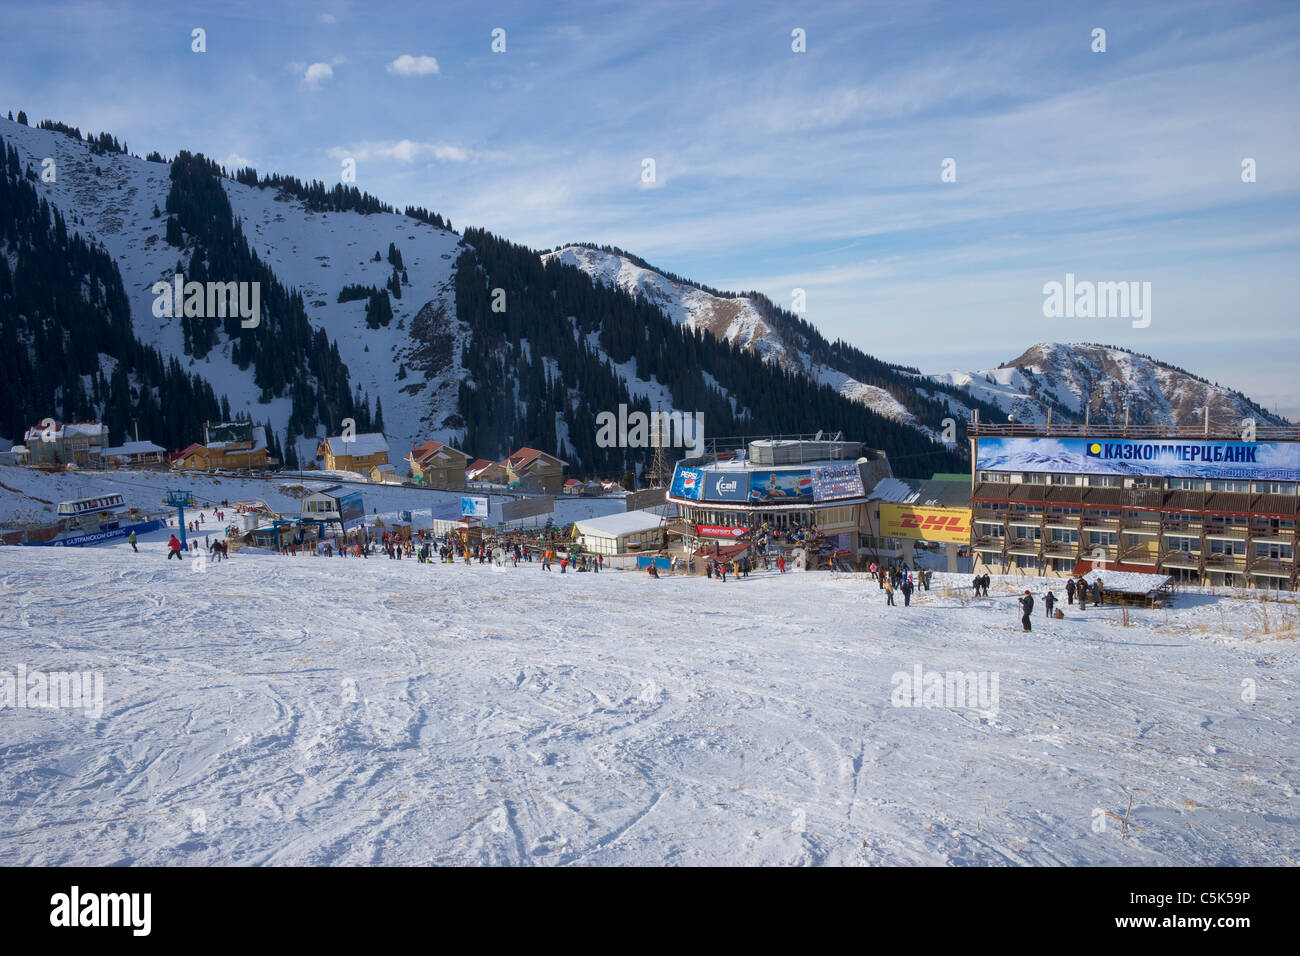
(275, 710)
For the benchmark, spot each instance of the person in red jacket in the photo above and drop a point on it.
(174, 549)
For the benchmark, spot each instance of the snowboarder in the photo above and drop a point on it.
(131, 539)
(1049, 600)
(174, 549)
(1026, 609)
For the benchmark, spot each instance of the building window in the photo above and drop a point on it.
(1186, 484)
(1034, 478)
(1105, 481)
(1217, 484)
(1273, 549)
(1219, 546)
(1275, 487)
(1065, 479)
(995, 477)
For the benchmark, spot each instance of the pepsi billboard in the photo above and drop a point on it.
(687, 483)
(1259, 461)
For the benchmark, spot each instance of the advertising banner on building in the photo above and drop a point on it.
(719, 531)
(474, 505)
(726, 486)
(925, 524)
(834, 482)
(1174, 458)
(781, 487)
(687, 483)
(527, 508)
(352, 511)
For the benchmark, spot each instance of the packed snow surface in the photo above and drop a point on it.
(279, 710)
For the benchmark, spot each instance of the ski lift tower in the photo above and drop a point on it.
(178, 499)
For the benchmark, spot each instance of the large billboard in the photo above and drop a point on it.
(726, 486)
(925, 524)
(474, 506)
(352, 511)
(1175, 458)
(527, 508)
(781, 487)
(687, 483)
(835, 482)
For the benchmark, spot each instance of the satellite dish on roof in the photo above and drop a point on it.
(839, 436)
(818, 436)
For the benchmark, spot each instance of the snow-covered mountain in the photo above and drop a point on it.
(1070, 379)
(110, 199)
(750, 321)
(414, 365)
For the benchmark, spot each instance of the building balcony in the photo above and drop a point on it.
(1279, 567)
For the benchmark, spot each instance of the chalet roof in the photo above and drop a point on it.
(525, 457)
(357, 446)
(259, 443)
(426, 450)
(88, 429)
(132, 448)
(620, 523)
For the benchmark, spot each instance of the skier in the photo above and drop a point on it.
(131, 539)
(174, 549)
(1049, 600)
(1026, 609)
(1069, 590)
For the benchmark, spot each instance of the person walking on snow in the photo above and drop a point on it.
(889, 593)
(131, 539)
(174, 549)
(1026, 609)
(907, 591)
(1069, 590)
(1049, 600)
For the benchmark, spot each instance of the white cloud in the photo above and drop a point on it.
(316, 74)
(404, 151)
(407, 65)
(235, 161)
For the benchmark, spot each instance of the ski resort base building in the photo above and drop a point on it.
(786, 485)
(1203, 507)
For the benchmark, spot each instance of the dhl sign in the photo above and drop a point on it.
(925, 524)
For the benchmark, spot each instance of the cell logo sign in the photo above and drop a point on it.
(726, 486)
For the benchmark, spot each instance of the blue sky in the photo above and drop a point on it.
(774, 169)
